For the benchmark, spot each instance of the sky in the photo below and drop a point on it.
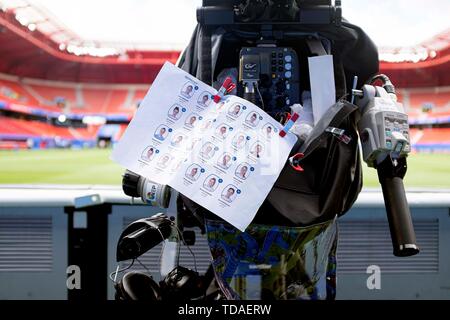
(169, 23)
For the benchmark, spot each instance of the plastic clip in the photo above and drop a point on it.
(339, 133)
(294, 161)
(226, 88)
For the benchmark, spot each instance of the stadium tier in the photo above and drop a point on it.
(123, 99)
(440, 100)
(12, 91)
(22, 134)
(431, 139)
(77, 98)
(424, 106)
(426, 102)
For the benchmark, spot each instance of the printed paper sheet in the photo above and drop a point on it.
(225, 156)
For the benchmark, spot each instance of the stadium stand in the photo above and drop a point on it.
(12, 91)
(48, 95)
(79, 98)
(431, 139)
(440, 100)
(426, 102)
(27, 128)
(21, 134)
(108, 88)
(105, 100)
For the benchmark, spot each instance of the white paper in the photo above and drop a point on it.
(225, 157)
(323, 91)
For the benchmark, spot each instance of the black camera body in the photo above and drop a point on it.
(263, 44)
(142, 235)
(273, 72)
(228, 12)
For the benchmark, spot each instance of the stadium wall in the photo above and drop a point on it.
(37, 221)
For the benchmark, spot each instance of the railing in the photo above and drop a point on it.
(46, 229)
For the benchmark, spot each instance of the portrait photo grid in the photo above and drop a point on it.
(225, 156)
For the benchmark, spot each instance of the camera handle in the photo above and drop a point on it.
(390, 175)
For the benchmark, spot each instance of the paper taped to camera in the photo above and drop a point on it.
(224, 156)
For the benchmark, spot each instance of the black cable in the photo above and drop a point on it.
(180, 234)
(387, 84)
(143, 266)
(260, 96)
(120, 270)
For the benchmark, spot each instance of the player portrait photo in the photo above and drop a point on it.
(257, 150)
(191, 120)
(206, 125)
(222, 131)
(235, 110)
(267, 131)
(208, 150)
(204, 99)
(225, 160)
(242, 171)
(161, 132)
(164, 161)
(188, 90)
(148, 153)
(252, 119)
(193, 172)
(178, 141)
(211, 183)
(229, 193)
(175, 112)
(239, 140)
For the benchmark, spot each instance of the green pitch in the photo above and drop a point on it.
(94, 167)
(89, 166)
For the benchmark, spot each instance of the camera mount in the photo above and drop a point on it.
(241, 12)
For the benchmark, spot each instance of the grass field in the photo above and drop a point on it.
(93, 166)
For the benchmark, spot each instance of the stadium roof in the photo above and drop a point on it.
(96, 34)
(103, 27)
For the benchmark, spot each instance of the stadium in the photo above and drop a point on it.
(66, 101)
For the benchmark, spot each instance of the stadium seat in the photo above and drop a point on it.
(78, 98)
(48, 95)
(26, 128)
(12, 91)
(439, 100)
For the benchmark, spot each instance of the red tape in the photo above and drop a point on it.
(226, 87)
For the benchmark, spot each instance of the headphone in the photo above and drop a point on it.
(180, 283)
(139, 237)
(137, 286)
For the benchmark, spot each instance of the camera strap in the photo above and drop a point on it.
(316, 47)
(205, 65)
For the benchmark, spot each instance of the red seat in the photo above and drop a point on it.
(42, 129)
(434, 136)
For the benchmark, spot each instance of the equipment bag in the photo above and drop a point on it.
(294, 230)
(332, 177)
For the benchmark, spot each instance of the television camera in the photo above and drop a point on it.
(271, 64)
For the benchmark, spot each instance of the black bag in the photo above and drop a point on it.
(332, 177)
